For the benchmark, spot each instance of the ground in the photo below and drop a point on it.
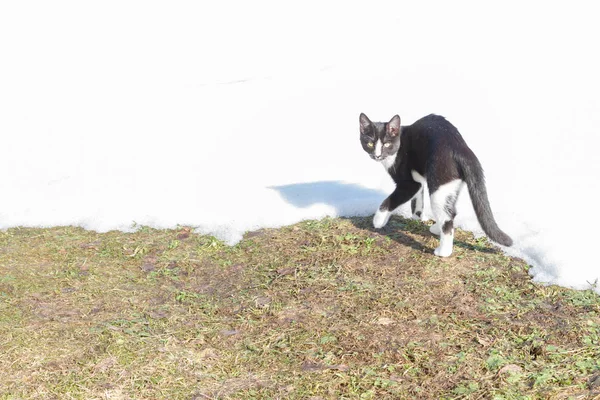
(327, 309)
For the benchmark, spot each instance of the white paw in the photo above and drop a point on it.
(443, 252)
(381, 218)
(435, 229)
(417, 217)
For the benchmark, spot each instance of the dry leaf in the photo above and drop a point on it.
(510, 368)
(385, 321)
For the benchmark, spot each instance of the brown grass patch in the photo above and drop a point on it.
(322, 309)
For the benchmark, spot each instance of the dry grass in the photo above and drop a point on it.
(320, 310)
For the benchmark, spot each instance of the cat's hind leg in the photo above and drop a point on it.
(443, 205)
(435, 229)
(416, 205)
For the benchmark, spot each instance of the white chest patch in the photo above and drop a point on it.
(388, 162)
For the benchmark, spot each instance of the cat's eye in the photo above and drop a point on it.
(370, 144)
(388, 144)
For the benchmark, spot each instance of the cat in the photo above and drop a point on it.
(431, 151)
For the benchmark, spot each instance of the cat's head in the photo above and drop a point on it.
(380, 139)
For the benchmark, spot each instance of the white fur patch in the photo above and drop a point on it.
(419, 204)
(438, 198)
(378, 148)
(418, 177)
(438, 206)
(381, 218)
(444, 249)
(388, 162)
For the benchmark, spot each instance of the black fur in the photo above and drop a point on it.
(413, 205)
(448, 226)
(434, 148)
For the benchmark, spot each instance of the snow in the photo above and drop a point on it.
(235, 115)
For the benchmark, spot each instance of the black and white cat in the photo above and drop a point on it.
(431, 151)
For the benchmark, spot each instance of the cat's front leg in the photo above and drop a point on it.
(381, 218)
(405, 190)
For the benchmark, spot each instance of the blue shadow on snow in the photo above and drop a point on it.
(347, 198)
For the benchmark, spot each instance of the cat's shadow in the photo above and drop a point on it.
(396, 230)
(339, 195)
(397, 227)
(351, 199)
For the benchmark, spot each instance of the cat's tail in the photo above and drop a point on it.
(473, 175)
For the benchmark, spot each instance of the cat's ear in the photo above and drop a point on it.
(365, 123)
(393, 127)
